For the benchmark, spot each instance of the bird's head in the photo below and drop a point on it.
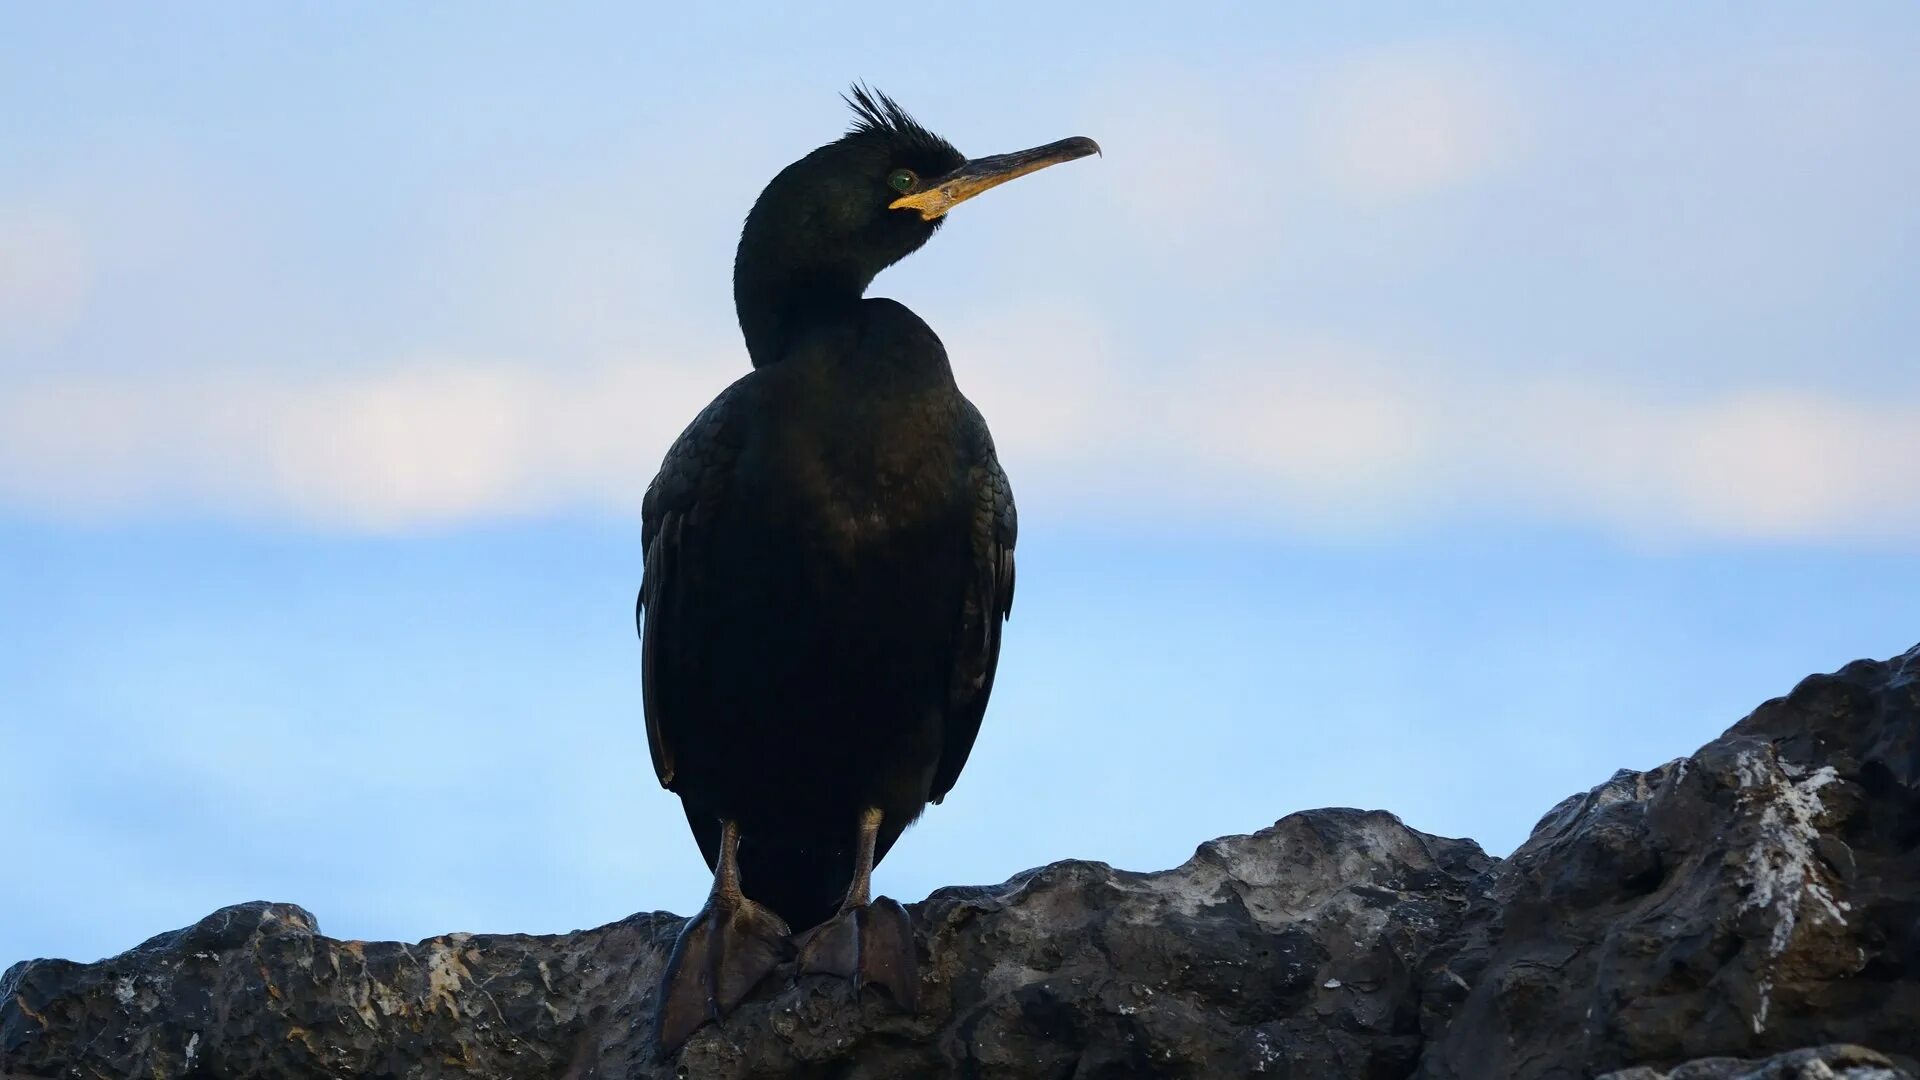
(830, 222)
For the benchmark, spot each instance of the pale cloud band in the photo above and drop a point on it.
(1315, 436)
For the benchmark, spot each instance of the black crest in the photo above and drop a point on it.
(877, 114)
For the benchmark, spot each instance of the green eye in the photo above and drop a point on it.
(903, 180)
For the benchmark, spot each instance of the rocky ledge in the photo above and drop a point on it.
(1752, 911)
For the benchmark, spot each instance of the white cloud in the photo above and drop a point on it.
(1322, 434)
(1396, 123)
(1748, 464)
(422, 444)
(1309, 434)
(45, 272)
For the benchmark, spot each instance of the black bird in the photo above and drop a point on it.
(829, 558)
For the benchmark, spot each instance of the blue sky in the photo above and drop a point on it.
(1424, 413)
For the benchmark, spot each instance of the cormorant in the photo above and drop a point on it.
(829, 558)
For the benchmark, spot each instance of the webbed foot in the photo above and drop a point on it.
(721, 955)
(872, 945)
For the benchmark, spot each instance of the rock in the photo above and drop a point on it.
(1297, 948)
(1837, 1062)
(1755, 899)
(1759, 896)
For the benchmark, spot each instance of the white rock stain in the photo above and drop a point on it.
(1782, 867)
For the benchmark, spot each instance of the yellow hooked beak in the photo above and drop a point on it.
(944, 193)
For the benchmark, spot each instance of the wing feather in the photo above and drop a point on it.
(988, 604)
(683, 498)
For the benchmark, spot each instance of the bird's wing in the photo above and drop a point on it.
(680, 504)
(989, 601)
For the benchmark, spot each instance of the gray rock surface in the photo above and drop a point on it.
(1760, 897)
(1839, 1061)
(1300, 944)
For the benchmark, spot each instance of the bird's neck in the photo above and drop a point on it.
(777, 305)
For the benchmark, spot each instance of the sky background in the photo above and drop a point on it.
(1415, 412)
